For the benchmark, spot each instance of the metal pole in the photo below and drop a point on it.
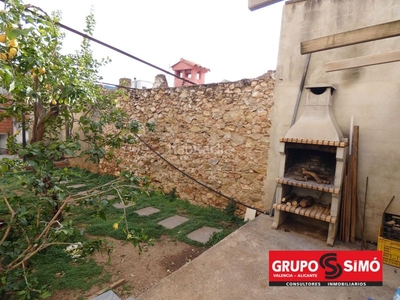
(303, 79)
(364, 242)
(23, 134)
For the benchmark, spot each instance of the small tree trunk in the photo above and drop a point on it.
(40, 122)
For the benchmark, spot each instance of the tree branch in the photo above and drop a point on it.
(11, 219)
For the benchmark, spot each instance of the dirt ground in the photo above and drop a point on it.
(141, 272)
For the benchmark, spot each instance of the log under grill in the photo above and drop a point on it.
(320, 160)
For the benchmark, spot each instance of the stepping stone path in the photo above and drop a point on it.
(173, 221)
(203, 234)
(147, 211)
(88, 193)
(109, 295)
(122, 205)
(76, 186)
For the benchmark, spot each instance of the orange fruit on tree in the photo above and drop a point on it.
(3, 38)
(42, 70)
(13, 43)
(3, 56)
(13, 51)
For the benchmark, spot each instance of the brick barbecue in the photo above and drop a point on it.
(312, 165)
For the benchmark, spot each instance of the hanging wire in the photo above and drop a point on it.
(195, 180)
(130, 88)
(77, 32)
(120, 51)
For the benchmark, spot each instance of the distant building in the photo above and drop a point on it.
(109, 86)
(136, 84)
(190, 71)
(141, 84)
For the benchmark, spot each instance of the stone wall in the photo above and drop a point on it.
(216, 133)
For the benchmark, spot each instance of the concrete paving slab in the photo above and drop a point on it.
(147, 211)
(88, 192)
(250, 214)
(109, 295)
(7, 156)
(76, 186)
(122, 205)
(237, 268)
(203, 234)
(82, 193)
(173, 221)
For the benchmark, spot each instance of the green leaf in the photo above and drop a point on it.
(54, 145)
(34, 164)
(3, 168)
(45, 294)
(14, 33)
(12, 86)
(20, 293)
(7, 76)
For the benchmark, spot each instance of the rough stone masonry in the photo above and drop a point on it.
(216, 133)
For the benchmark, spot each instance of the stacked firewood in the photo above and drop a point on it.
(391, 227)
(305, 175)
(293, 200)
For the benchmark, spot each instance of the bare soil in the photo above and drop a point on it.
(141, 271)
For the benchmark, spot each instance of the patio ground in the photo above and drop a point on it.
(237, 268)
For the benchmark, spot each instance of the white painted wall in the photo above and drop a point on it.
(18, 129)
(371, 95)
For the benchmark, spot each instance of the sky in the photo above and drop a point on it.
(221, 35)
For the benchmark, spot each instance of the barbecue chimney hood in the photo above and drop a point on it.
(317, 121)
